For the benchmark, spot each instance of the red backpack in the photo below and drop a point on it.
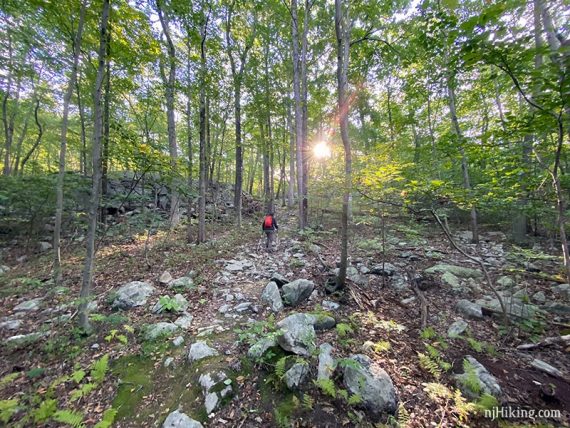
(268, 222)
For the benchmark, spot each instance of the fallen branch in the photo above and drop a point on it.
(545, 342)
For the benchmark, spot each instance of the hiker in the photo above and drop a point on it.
(270, 227)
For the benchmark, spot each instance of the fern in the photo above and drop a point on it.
(470, 379)
(99, 368)
(461, 407)
(8, 379)
(382, 346)
(280, 367)
(403, 416)
(436, 390)
(475, 344)
(354, 399)
(429, 365)
(45, 411)
(428, 333)
(343, 393)
(327, 386)
(308, 402)
(69, 417)
(344, 329)
(83, 391)
(486, 402)
(78, 375)
(108, 419)
(58, 381)
(7, 409)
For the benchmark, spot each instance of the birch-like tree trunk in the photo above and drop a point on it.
(85, 293)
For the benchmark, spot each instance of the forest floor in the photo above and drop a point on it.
(379, 315)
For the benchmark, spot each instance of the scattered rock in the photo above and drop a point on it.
(514, 306)
(258, 349)
(178, 341)
(323, 322)
(238, 265)
(4, 269)
(200, 350)
(163, 328)
(372, 384)
(224, 308)
(539, 297)
(29, 305)
(297, 291)
(245, 306)
(44, 246)
(11, 324)
(133, 294)
(168, 362)
(295, 376)
(457, 328)
(407, 301)
(298, 334)
(184, 321)
(279, 279)
(327, 363)
(458, 271)
(272, 297)
(215, 387)
(451, 280)
(184, 282)
(165, 278)
(547, 368)
(384, 269)
(557, 308)
(21, 339)
(331, 306)
(180, 420)
(487, 381)
(505, 282)
(469, 309)
(562, 290)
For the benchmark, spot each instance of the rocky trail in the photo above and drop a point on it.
(253, 339)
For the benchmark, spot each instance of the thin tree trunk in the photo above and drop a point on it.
(189, 140)
(203, 137)
(76, 48)
(342, 29)
(291, 184)
(83, 156)
(304, 93)
(85, 293)
(106, 122)
(38, 138)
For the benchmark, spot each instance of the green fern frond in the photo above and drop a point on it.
(436, 390)
(486, 402)
(280, 367)
(45, 411)
(7, 409)
(354, 399)
(8, 379)
(108, 419)
(99, 368)
(327, 386)
(83, 391)
(470, 379)
(403, 416)
(475, 344)
(461, 407)
(429, 365)
(69, 417)
(78, 375)
(308, 402)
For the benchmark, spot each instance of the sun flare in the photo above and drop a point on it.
(322, 150)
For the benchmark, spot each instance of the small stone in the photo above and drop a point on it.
(184, 282)
(10, 325)
(297, 291)
(384, 269)
(154, 331)
(487, 381)
(562, 290)
(229, 297)
(4, 268)
(259, 348)
(278, 279)
(295, 376)
(272, 297)
(457, 328)
(200, 350)
(244, 306)
(324, 322)
(327, 363)
(165, 278)
(29, 305)
(505, 282)
(539, 297)
(331, 306)
(409, 300)
(177, 419)
(178, 341)
(168, 362)
(44, 246)
(133, 294)
(224, 308)
(469, 309)
(184, 321)
(547, 368)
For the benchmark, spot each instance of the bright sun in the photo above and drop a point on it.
(322, 150)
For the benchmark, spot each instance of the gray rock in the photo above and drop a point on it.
(279, 279)
(372, 384)
(29, 305)
(168, 362)
(184, 282)
(211, 402)
(469, 309)
(224, 308)
(297, 291)
(20, 339)
(557, 308)
(384, 269)
(258, 349)
(562, 290)
(297, 334)
(213, 389)
(11, 324)
(539, 297)
(327, 363)
(154, 331)
(4, 268)
(229, 297)
(331, 306)
(44, 246)
(505, 282)
(514, 306)
(547, 368)
(200, 350)
(177, 419)
(398, 283)
(178, 341)
(244, 306)
(458, 271)
(324, 322)
(272, 297)
(457, 328)
(295, 376)
(409, 300)
(487, 381)
(238, 265)
(354, 275)
(451, 280)
(133, 294)
(165, 278)
(184, 321)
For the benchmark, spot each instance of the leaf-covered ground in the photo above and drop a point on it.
(63, 377)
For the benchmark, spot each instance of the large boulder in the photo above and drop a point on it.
(514, 306)
(458, 271)
(177, 419)
(259, 348)
(272, 297)
(295, 376)
(135, 293)
(297, 334)
(294, 293)
(215, 387)
(200, 350)
(372, 384)
(487, 382)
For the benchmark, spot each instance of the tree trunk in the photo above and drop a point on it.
(83, 156)
(189, 141)
(291, 183)
(85, 293)
(203, 160)
(304, 93)
(342, 30)
(106, 121)
(76, 48)
(169, 92)
(464, 163)
(38, 138)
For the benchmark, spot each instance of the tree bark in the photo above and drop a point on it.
(189, 127)
(76, 48)
(85, 293)
(291, 183)
(203, 142)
